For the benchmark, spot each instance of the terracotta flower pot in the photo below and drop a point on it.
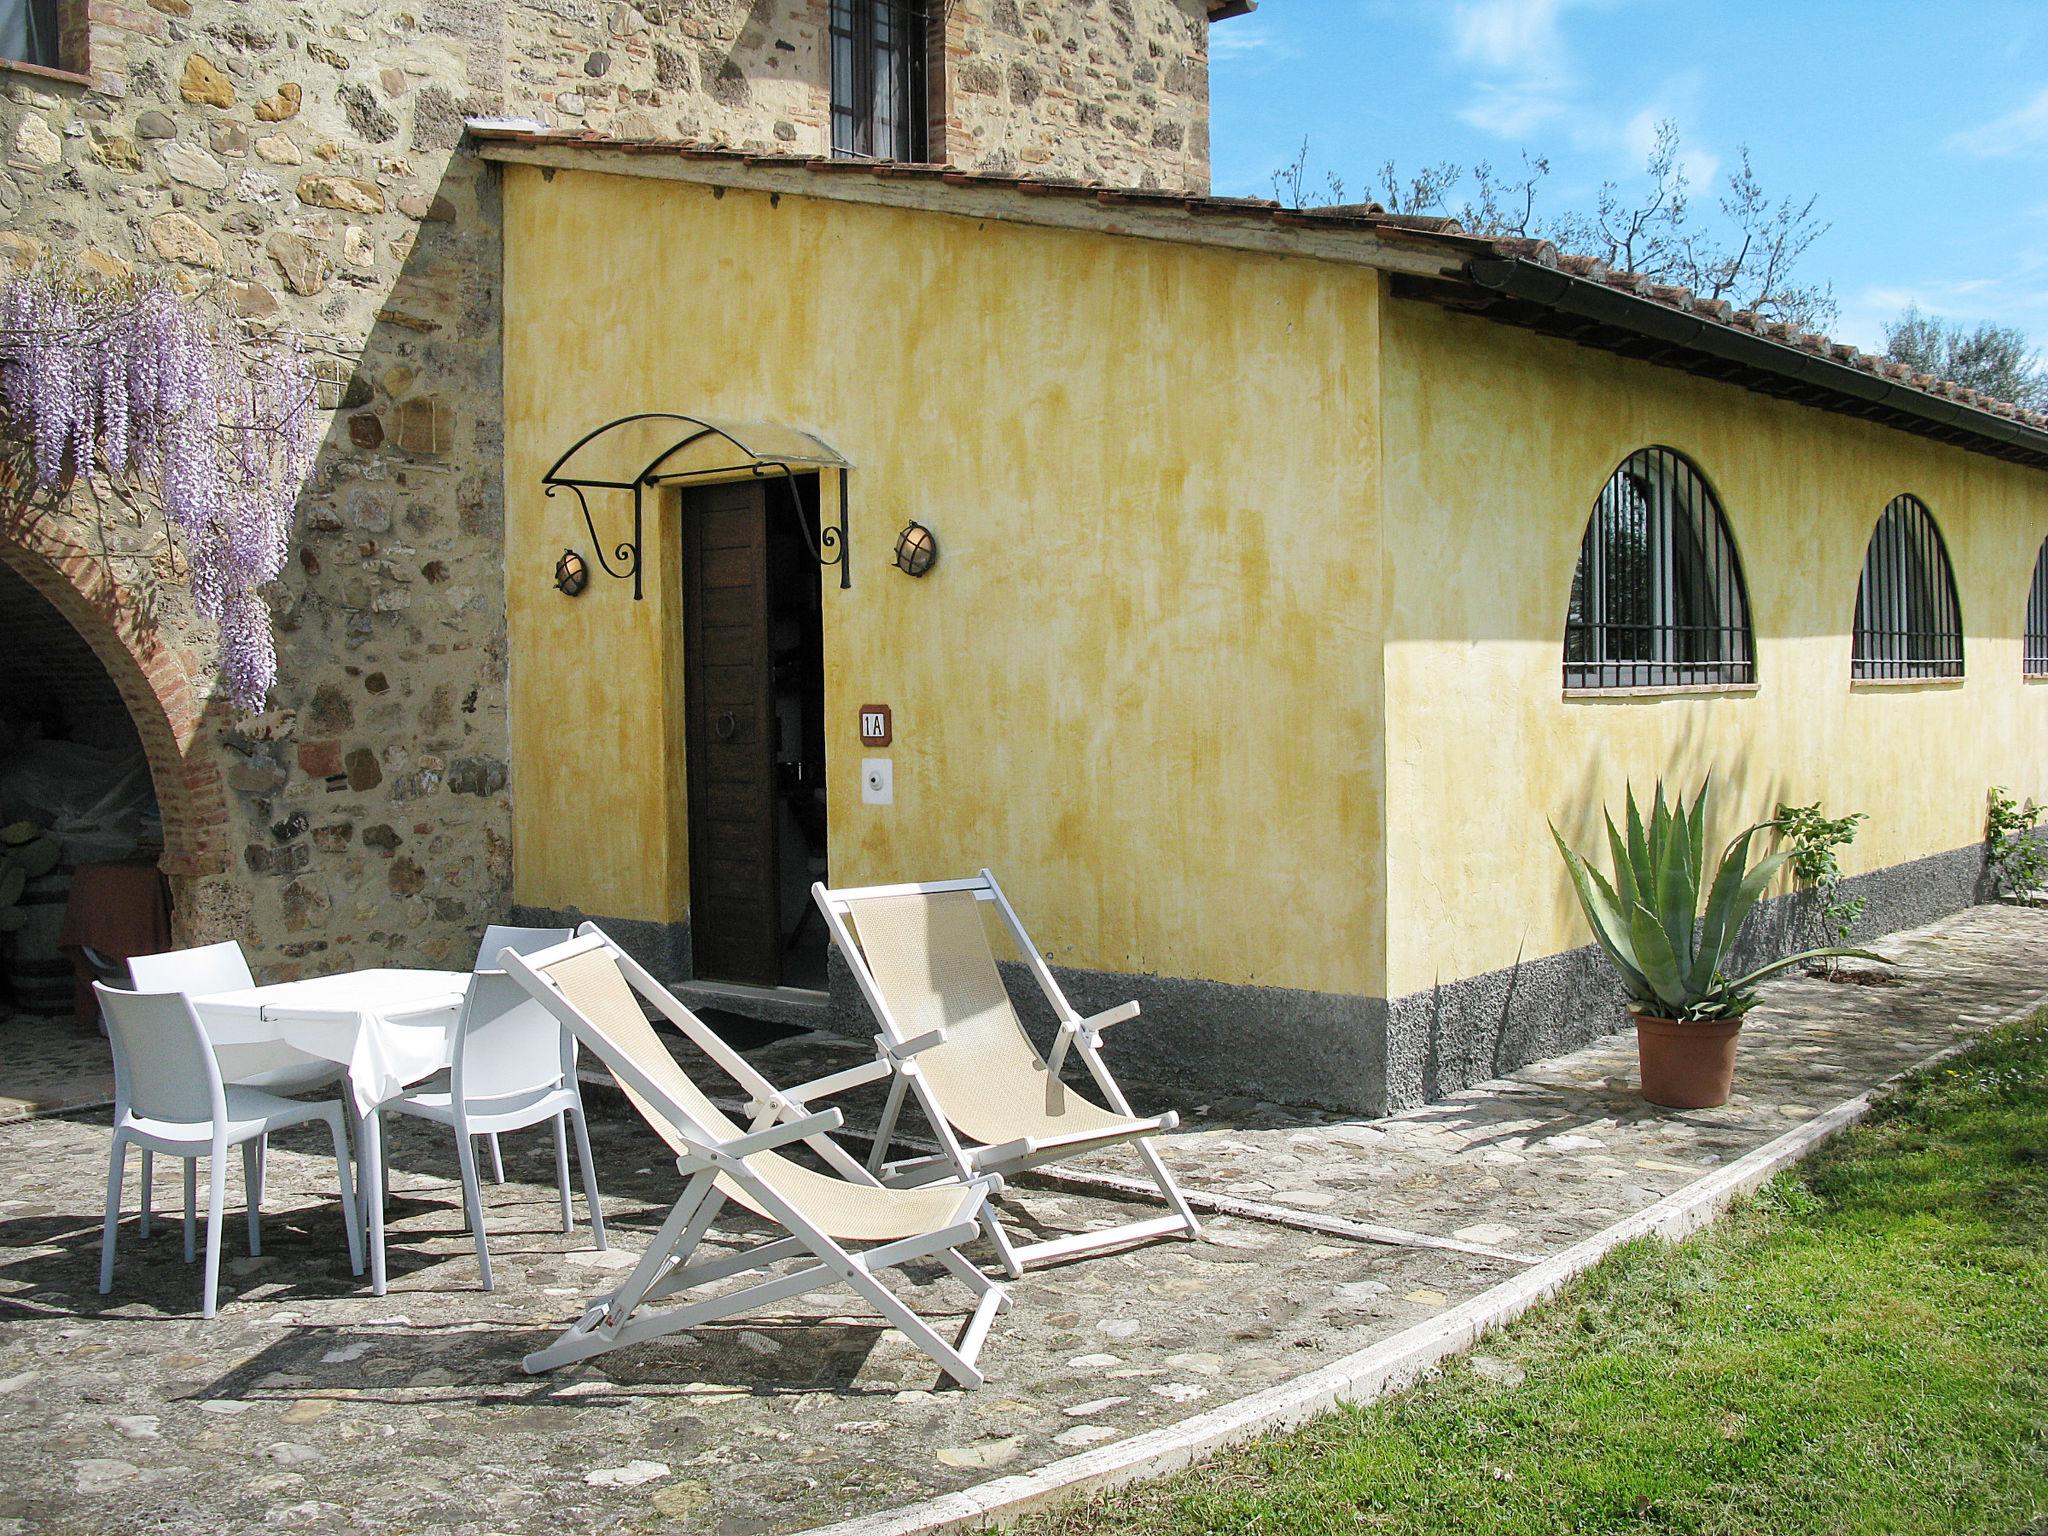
(1686, 1065)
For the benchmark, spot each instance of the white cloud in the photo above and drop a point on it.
(1508, 113)
(1640, 134)
(2025, 127)
(1525, 77)
(1526, 87)
(1524, 74)
(1513, 36)
(1240, 42)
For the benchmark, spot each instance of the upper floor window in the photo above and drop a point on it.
(1908, 622)
(879, 107)
(1658, 600)
(28, 32)
(2036, 664)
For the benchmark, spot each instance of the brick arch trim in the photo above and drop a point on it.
(153, 682)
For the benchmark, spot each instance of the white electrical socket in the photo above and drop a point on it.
(877, 781)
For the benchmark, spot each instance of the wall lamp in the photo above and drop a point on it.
(571, 574)
(917, 549)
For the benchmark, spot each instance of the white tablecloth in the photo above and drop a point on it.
(390, 1028)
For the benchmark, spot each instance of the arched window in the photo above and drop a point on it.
(1908, 622)
(2036, 664)
(1658, 600)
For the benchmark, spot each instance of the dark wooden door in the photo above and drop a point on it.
(729, 721)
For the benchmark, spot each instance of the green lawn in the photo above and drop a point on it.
(1862, 1348)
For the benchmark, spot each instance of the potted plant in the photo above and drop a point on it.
(1668, 951)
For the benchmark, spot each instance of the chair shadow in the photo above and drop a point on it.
(52, 1263)
(477, 1364)
(53, 1259)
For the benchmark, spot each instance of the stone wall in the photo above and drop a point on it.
(301, 164)
(302, 169)
(747, 73)
(1111, 91)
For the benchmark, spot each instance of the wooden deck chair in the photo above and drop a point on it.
(922, 960)
(589, 984)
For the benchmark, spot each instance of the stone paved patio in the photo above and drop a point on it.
(311, 1405)
(50, 1064)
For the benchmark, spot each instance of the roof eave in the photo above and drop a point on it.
(1221, 223)
(1707, 339)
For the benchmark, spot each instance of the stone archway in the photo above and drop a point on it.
(157, 685)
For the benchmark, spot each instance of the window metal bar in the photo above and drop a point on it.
(1908, 621)
(2035, 657)
(1891, 597)
(1658, 598)
(1885, 596)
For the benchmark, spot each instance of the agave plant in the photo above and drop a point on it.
(1649, 921)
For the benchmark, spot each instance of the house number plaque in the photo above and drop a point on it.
(875, 726)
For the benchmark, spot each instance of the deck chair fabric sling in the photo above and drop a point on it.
(921, 957)
(590, 985)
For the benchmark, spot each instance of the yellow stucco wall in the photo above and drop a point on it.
(1142, 683)
(1497, 442)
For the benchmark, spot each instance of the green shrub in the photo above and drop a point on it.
(1814, 839)
(2018, 859)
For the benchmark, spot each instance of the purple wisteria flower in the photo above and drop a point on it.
(150, 386)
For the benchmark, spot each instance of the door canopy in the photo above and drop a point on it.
(655, 448)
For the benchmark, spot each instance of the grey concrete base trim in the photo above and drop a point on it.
(664, 948)
(1199, 1042)
(1214, 1041)
(1477, 1028)
(1380, 1368)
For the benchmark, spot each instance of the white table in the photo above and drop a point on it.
(389, 1028)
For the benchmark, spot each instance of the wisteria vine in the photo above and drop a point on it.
(147, 385)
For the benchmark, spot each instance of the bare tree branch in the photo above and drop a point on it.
(1748, 258)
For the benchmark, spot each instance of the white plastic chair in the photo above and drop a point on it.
(514, 1065)
(499, 937)
(169, 1098)
(270, 1065)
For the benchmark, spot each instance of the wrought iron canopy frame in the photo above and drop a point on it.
(811, 456)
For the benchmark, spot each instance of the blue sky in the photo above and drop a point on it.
(1922, 124)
